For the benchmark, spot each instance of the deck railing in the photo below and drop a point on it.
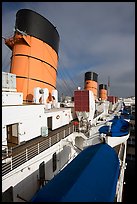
(15, 161)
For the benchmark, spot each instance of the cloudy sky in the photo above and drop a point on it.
(94, 36)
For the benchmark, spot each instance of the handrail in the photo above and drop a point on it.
(36, 148)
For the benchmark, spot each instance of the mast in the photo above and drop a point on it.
(108, 85)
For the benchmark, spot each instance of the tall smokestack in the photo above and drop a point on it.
(103, 91)
(91, 82)
(34, 53)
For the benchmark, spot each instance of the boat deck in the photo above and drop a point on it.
(26, 151)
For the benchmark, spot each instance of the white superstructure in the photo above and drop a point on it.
(37, 141)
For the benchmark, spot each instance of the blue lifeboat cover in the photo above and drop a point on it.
(125, 114)
(104, 129)
(119, 127)
(90, 177)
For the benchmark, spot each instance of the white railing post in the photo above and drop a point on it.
(69, 130)
(57, 137)
(38, 147)
(26, 154)
(11, 160)
(64, 134)
(11, 164)
(73, 128)
(50, 142)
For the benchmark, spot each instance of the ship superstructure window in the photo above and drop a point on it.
(12, 135)
(54, 161)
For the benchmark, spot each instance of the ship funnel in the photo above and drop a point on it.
(91, 82)
(103, 91)
(34, 53)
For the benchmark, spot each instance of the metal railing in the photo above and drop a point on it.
(32, 151)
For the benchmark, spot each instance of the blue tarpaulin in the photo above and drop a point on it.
(90, 177)
(125, 114)
(119, 127)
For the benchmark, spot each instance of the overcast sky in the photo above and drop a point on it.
(94, 36)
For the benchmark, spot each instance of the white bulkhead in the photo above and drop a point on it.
(29, 120)
(12, 98)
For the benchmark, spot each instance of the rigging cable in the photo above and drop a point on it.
(68, 74)
(67, 87)
(5, 62)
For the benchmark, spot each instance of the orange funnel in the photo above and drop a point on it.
(91, 82)
(34, 53)
(103, 91)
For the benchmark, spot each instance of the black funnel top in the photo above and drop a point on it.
(37, 26)
(103, 86)
(91, 76)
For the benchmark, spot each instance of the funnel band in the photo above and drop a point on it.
(36, 80)
(34, 58)
(91, 76)
(102, 86)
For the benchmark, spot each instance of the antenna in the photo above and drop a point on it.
(108, 85)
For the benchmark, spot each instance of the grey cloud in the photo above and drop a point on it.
(93, 36)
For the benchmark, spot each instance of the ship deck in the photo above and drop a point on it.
(27, 150)
(17, 149)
